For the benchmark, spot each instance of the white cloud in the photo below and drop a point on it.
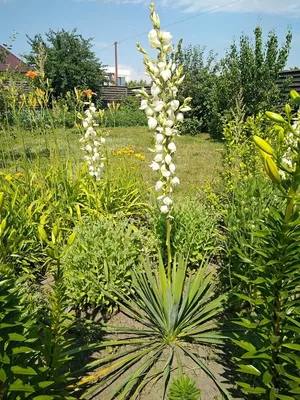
(135, 74)
(288, 7)
(101, 45)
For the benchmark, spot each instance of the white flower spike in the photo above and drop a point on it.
(92, 144)
(164, 111)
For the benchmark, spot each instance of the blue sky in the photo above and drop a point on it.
(115, 20)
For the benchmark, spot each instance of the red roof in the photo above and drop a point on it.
(12, 63)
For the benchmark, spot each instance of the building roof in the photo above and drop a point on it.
(12, 63)
(121, 71)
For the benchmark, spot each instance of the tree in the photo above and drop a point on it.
(250, 70)
(68, 61)
(139, 83)
(200, 77)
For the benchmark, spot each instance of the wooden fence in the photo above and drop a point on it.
(117, 93)
(294, 78)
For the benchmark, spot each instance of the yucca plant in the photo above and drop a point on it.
(176, 317)
(183, 388)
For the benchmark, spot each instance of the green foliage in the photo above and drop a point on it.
(245, 211)
(69, 61)
(240, 161)
(191, 126)
(37, 340)
(246, 197)
(194, 231)
(183, 388)
(200, 78)
(171, 314)
(139, 83)
(15, 332)
(268, 329)
(40, 198)
(125, 113)
(125, 117)
(105, 253)
(35, 347)
(249, 69)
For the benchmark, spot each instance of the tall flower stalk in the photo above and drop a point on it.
(165, 114)
(93, 142)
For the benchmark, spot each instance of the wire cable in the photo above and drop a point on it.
(175, 23)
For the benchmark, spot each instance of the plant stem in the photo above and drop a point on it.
(168, 244)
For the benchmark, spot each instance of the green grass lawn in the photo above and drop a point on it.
(197, 157)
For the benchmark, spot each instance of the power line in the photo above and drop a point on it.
(176, 22)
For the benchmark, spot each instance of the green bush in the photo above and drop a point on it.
(248, 207)
(191, 126)
(105, 253)
(194, 231)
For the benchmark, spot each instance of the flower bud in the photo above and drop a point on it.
(159, 138)
(172, 168)
(166, 38)
(175, 181)
(155, 20)
(172, 147)
(152, 123)
(159, 185)
(167, 201)
(154, 166)
(275, 117)
(174, 105)
(179, 117)
(158, 158)
(263, 145)
(153, 39)
(168, 159)
(166, 74)
(164, 209)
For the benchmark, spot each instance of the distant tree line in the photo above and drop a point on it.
(248, 71)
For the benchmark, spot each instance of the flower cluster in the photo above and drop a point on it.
(92, 143)
(164, 111)
(32, 74)
(128, 152)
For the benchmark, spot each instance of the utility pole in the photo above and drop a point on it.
(116, 63)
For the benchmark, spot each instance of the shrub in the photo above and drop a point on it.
(194, 231)
(106, 252)
(191, 126)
